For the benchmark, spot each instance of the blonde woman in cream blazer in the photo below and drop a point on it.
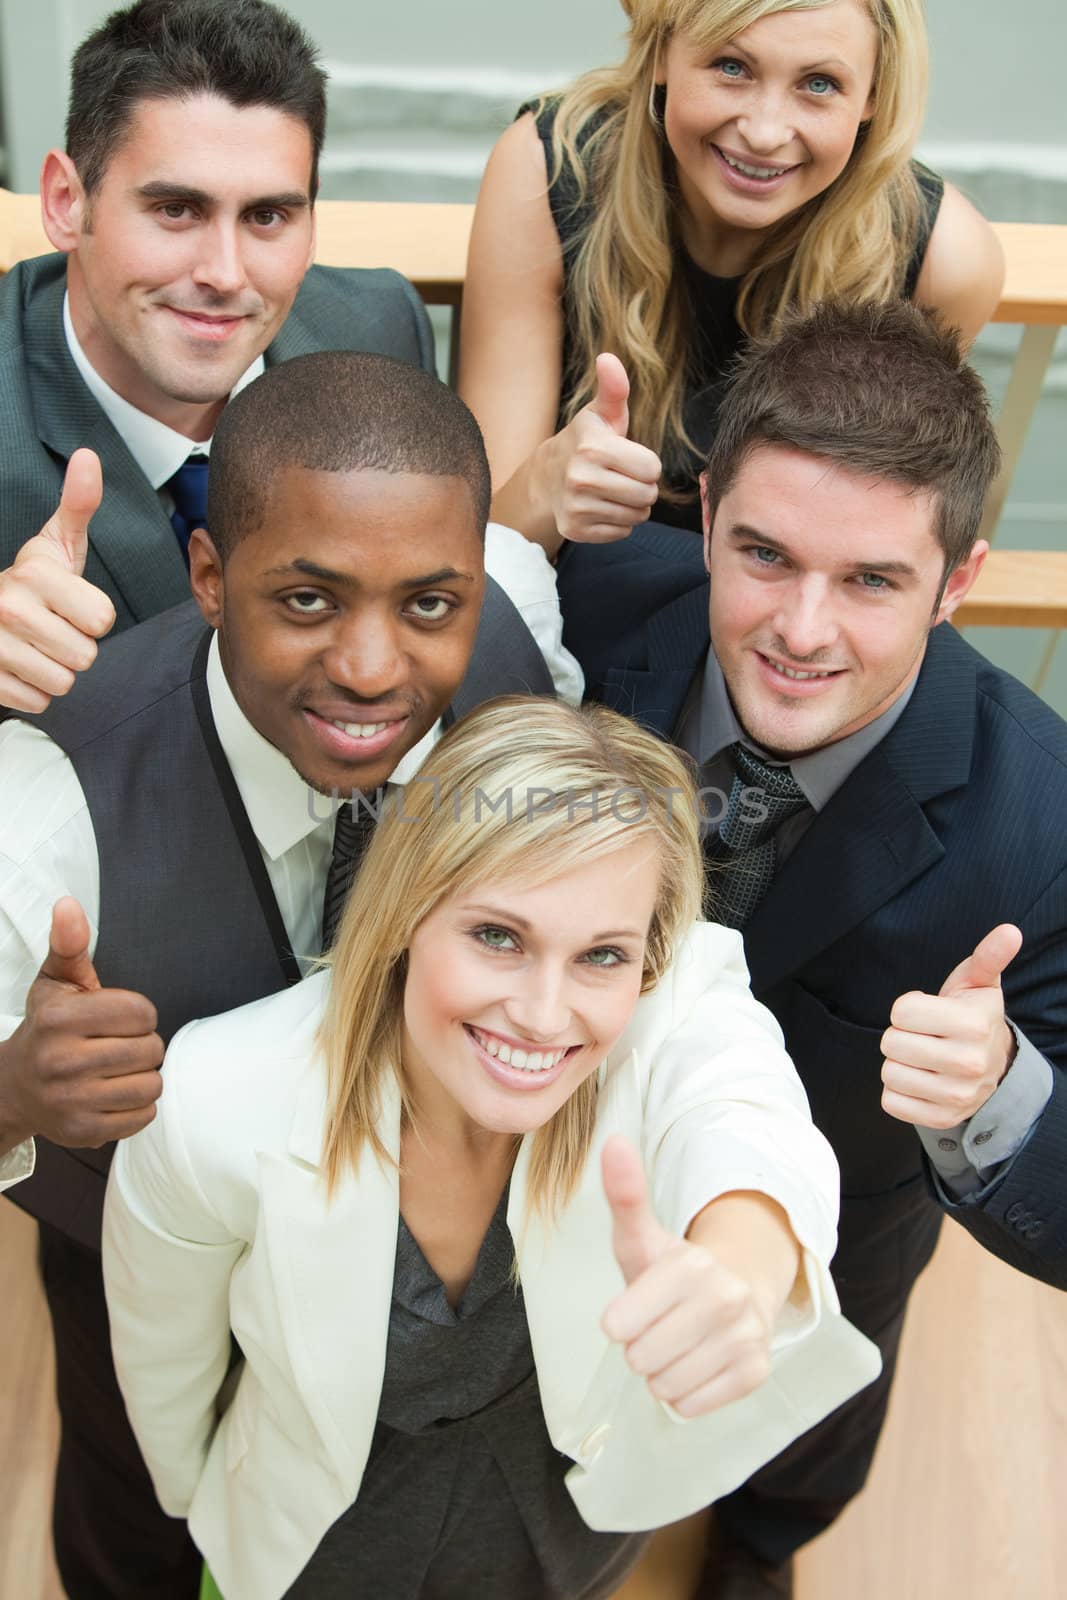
(219, 1216)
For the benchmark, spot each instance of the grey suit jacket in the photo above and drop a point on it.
(46, 412)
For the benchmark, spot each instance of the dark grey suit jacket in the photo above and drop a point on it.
(46, 412)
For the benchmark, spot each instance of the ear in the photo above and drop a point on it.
(206, 577)
(960, 582)
(705, 519)
(314, 241)
(64, 204)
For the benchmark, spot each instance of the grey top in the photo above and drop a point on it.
(436, 1366)
(964, 1158)
(463, 1493)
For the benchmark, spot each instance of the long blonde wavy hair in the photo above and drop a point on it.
(850, 243)
(520, 791)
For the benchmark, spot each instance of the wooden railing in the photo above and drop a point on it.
(428, 244)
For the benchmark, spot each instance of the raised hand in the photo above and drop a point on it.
(50, 617)
(82, 1066)
(945, 1054)
(599, 482)
(692, 1328)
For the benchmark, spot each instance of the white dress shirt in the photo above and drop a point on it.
(158, 450)
(48, 847)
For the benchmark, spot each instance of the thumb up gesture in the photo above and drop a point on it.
(599, 482)
(691, 1327)
(82, 1067)
(50, 617)
(946, 1053)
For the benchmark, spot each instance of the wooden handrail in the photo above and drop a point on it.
(1018, 589)
(428, 244)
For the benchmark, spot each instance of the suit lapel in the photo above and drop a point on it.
(333, 1264)
(873, 838)
(130, 535)
(677, 638)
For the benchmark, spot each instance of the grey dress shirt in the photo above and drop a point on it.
(965, 1158)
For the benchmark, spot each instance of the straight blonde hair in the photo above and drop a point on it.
(522, 790)
(850, 243)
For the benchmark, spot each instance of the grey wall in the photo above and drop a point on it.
(420, 89)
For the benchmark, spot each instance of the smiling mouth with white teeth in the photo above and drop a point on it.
(748, 171)
(522, 1060)
(360, 730)
(798, 673)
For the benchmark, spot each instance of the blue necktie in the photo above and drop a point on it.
(188, 488)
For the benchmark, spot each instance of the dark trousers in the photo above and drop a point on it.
(112, 1540)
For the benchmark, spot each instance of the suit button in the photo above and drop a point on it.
(1014, 1212)
(984, 1138)
(594, 1442)
(1034, 1231)
(947, 1144)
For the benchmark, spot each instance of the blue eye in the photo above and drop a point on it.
(822, 86)
(764, 555)
(874, 581)
(729, 67)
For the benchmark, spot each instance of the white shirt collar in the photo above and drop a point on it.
(281, 807)
(158, 450)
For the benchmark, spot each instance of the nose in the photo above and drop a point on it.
(220, 263)
(365, 657)
(764, 123)
(804, 621)
(538, 1006)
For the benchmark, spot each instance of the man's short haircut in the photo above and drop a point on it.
(881, 390)
(338, 411)
(244, 51)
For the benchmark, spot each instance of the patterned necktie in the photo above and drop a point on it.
(188, 488)
(351, 835)
(741, 855)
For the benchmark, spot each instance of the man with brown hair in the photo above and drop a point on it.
(884, 820)
(182, 215)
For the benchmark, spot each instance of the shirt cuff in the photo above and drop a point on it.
(967, 1158)
(17, 1164)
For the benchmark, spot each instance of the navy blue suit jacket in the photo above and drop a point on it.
(955, 822)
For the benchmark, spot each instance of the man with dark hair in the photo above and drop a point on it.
(182, 212)
(884, 815)
(167, 849)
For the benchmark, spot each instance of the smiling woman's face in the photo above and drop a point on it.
(514, 996)
(765, 123)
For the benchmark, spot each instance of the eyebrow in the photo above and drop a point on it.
(524, 926)
(292, 200)
(739, 531)
(311, 569)
(732, 46)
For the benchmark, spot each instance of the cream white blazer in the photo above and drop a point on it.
(216, 1217)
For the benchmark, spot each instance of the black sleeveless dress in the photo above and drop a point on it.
(717, 337)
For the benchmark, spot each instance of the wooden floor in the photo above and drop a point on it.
(966, 1497)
